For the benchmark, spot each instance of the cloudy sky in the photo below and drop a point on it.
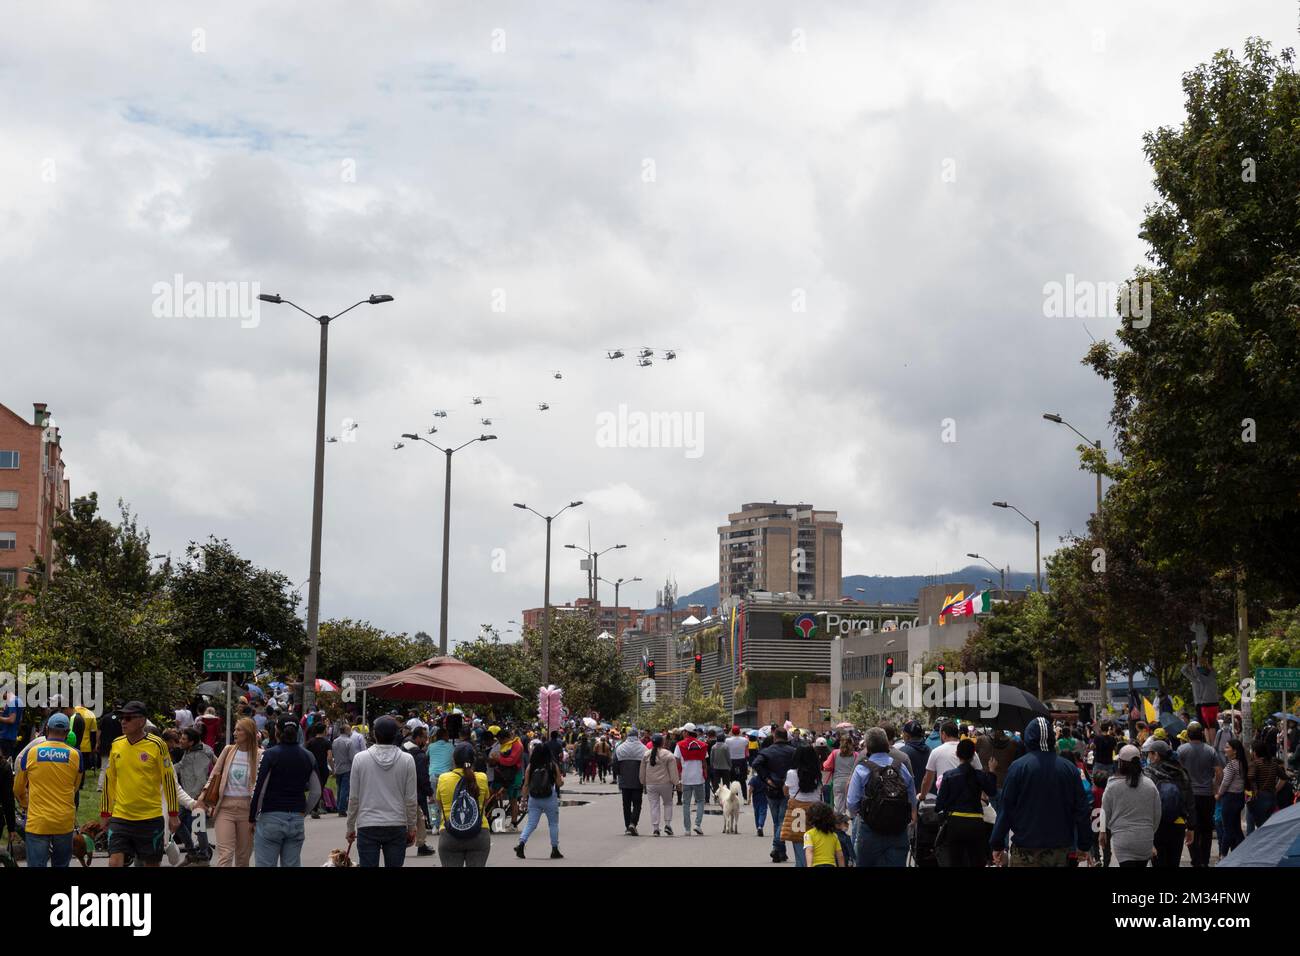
(843, 215)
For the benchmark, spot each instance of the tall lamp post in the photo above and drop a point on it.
(618, 620)
(318, 491)
(593, 575)
(1038, 577)
(546, 594)
(1002, 590)
(446, 526)
(1101, 637)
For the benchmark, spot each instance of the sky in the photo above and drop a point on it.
(843, 216)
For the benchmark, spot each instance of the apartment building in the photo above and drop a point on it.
(780, 548)
(33, 491)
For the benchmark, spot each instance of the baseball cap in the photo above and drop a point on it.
(820, 742)
(913, 728)
(689, 728)
(735, 728)
(57, 722)
(132, 708)
(1129, 752)
(494, 730)
(1155, 745)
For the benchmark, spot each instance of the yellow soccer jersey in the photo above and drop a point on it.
(138, 780)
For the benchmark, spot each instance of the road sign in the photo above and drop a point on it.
(1091, 696)
(647, 691)
(1277, 678)
(226, 659)
(1177, 702)
(363, 679)
(1232, 695)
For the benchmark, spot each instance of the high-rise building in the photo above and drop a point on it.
(780, 548)
(33, 492)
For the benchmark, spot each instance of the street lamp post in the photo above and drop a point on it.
(593, 574)
(446, 527)
(618, 622)
(318, 490)
(546, 594)
(1101, 637)
(1002, 591)
(1038, 576)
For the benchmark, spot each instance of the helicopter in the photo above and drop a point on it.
(555, 373)
(476, 400)
(398, 445)
(542, 406)
(643, 361)
(348, 428)
(615, 354)
(647, 353)
(440, 413)
(485, 421)
(670, 354)
(433, 430)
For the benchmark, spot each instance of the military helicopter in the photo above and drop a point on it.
(433, 430)
(646, 353)
(440, 413)
(476, 400)
(542, 406)
(348, 429)
(644, 360)
(615, 354)
(555, 373)
(485, 421)
(670, 354)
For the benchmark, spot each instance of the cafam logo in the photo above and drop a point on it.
(805, 625)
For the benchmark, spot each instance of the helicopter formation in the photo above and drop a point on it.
(645, 355)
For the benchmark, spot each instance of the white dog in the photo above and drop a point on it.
(729, 798)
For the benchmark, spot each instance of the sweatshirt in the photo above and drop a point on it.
(1132, 816)
(382, 789)
(662, 773)
(1042, 800)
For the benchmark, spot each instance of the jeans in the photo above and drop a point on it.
(776, 806)
(392, 840)
(1259, 810)
(760, 806)
(551, 807)
(277, 841)
(44, 850)
(341, 801)
(1232, 804)
(692, 791)
(880, 849)
(1168, 844)
(185, 836)
(631, 807)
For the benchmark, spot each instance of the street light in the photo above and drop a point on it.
(618, 620)
(593, 589)
(1101, 639)
(318, 490)
(1001, 576)
(1038, 579)
(446, 526)
(546, 594)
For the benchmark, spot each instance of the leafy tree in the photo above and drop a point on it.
(224, 600)
(1015, 637)
(513, 664)
(347, 645)
(118, 553)
(695, 706)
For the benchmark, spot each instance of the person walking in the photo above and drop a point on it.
(1043, 804)
(45, 786)
(658, 774)
(464, 838)
(719, 765)
(1204, 765)
(771, 765)
(542, 782)
(1232, 795)
(440, 762)
(692, 756)
(944, 758)
(318, 745)
(226, 796)
(1131, 808)
(627, 767)
(802, 789)
(821, 840)
(383, 809)
(1266, 779)
(1177, 824)
(1103, 749)
(882, 793)
(139, 782)
(601, 750)
(418, 747)
(915, 747)
(192, 772)
(963, 839)
(343, 751)
(840, 765)
(738, 755)
(278, 807)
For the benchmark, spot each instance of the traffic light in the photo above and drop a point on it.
(889, 667)
(650, 669)
(699, 664)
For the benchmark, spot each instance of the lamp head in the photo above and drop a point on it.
(275, 299)
(412, 437)
(377, 299)
(518, 505)
(1052, 418)
(1000, 504)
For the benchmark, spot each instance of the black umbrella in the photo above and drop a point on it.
(212, 688)
(1013, 708)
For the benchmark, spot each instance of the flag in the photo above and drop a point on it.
(949, 601)
(1150, 712)
(978, 603)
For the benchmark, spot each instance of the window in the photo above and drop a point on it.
(8, 500)
(8, 541)
(8, 459)
(9, 577)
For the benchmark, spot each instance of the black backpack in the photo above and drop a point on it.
(885, 806)
(540, 783)
(465, 821)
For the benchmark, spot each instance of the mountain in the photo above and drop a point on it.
(886, 589)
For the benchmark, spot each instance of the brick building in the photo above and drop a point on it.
(779, 548)
(33, 491)
(615, 620)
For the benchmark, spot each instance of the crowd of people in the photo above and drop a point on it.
(1055, 794)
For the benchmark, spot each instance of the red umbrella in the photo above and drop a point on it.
(443, 678)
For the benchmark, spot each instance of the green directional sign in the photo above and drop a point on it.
(1277, 678)
(224, 659)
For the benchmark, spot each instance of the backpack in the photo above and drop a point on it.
(885, 806)
(465, 821)
(1171, 802)
(327, 800)
(540, 784)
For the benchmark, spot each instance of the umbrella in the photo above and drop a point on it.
(324, 685)
(1276, 843)
(1015, 708)
(1279, 715)
(442, 678)
(589, 723)
(253, 688)
(845, 725)
(278, 685)
(1172, 724)
(211, 688)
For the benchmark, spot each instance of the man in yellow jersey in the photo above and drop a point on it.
(138, 783)
(46, 784)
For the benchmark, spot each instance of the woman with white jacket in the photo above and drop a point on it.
(1130, 807)
(659, 775)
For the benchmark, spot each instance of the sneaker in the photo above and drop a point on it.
(556, 854)
(656, 832)
(760, 831)
(627, 830)
(632, 830)
(424, 850)
(699, 832)
(668, 830)
(519, 850)
(315, 815)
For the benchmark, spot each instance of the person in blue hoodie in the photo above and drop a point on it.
(1043, 804)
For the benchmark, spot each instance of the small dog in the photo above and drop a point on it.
(729, 798)
(339, 858)
(83, 841)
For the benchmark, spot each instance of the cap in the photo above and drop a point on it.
(1155, 745)
(689, 728)
(913, 728)
(1129, 752)
(494, 730)
(1194, 725)
(132, 708)
(735, 728)
(57, 722)
(820, 742)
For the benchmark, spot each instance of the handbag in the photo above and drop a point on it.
(787, 825)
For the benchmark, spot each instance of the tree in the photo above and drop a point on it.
(1015, 637)
(513, 665)
(1205, 392)
(695, 706)
(347, 645)
(224, 600)
(118, 553)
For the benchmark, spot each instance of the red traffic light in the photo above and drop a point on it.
(699, 664)
(942, 669)
(889, 661)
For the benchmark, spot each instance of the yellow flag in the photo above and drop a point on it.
(1151, 715)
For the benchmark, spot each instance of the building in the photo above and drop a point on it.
(780, 548)
(858, 660)
(33, 492)
(615, 620)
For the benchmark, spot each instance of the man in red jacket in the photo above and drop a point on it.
(692, 754)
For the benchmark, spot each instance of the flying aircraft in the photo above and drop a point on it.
(670, 354)
(542, 406)
(398, 444)
(647, 353)
(440, 413)
(476, 400)
(616, 353)
(643, 361)
(485, 421)
(433, 430)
